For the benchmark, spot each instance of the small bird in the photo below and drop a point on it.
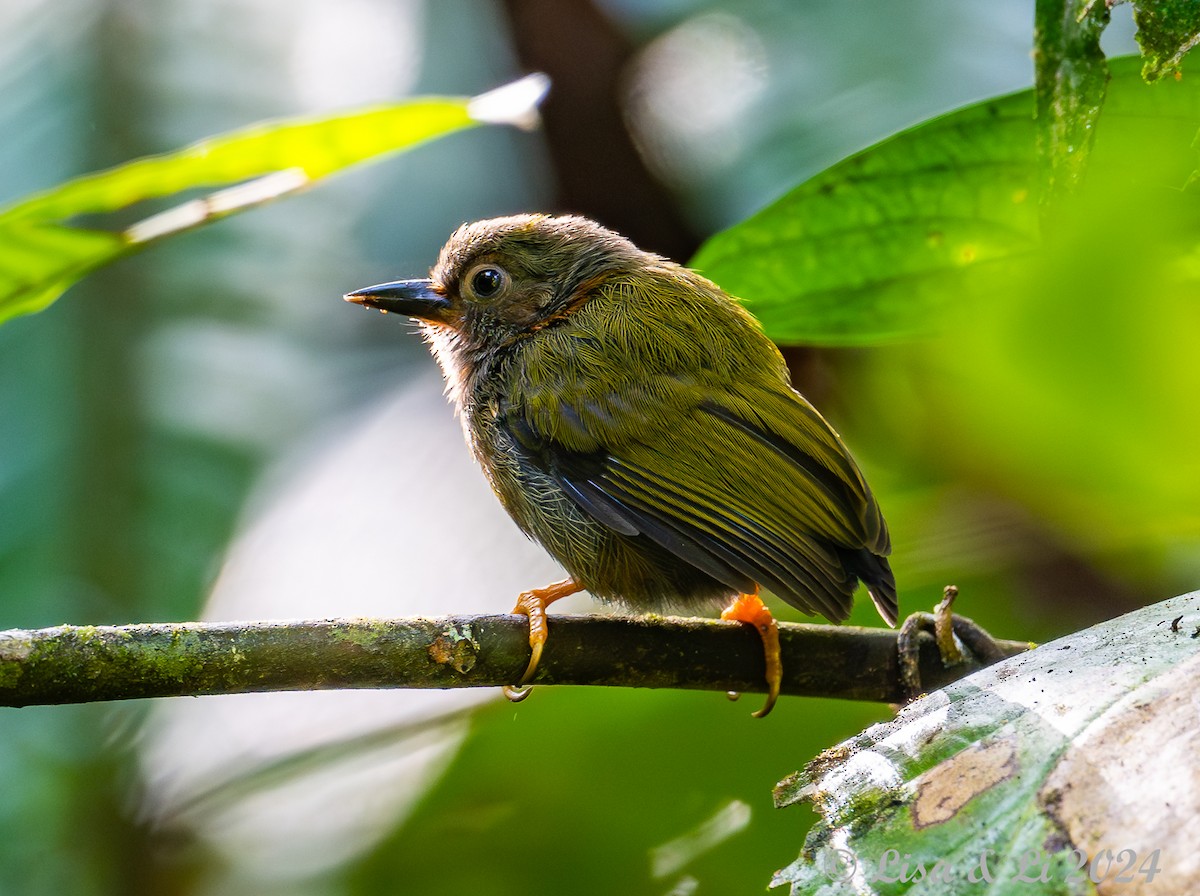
(635, 421)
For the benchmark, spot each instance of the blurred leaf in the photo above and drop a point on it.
(1073, 387)
(1167, 29)
(41, 255)
(894, 241)
(610, 783)
(1070, 755)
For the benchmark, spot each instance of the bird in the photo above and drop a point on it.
(635, 420)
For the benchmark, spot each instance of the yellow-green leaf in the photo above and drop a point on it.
(42, 253)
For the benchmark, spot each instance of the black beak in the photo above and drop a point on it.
(412, 298)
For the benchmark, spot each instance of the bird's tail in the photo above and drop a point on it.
(876, 573)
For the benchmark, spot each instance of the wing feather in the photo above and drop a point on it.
(723, 466)
(741, 502)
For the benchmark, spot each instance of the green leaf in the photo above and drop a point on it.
(872, 248)
(1028, 776)
(1167, 29)
(42, 254)
(894, 241)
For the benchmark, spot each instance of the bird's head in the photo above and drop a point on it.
(506, 278)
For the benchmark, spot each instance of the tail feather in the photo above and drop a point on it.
(876, 573)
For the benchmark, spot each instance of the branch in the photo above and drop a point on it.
(82, 664)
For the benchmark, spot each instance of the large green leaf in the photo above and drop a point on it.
(891, 242)
(42, 253)
(1062, 769)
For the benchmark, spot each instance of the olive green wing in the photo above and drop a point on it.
(751, 486)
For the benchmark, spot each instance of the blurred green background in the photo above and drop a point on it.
(217, 392)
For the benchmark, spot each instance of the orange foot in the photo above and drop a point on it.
(533, 604)
(750, 608)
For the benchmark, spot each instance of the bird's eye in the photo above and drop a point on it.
(488, 281)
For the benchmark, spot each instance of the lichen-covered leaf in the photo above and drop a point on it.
(1070, 84)
(1055, 772)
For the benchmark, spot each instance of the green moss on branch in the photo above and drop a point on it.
(80, 664)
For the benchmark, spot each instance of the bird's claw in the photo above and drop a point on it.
(532, 604)
(952, 634)
(516, 693)
(749, 608)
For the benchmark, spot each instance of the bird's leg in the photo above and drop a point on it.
(533, 604)
(951, 633)
(941, 624)
(750, 608)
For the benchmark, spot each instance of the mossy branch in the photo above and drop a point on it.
(81, 664)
